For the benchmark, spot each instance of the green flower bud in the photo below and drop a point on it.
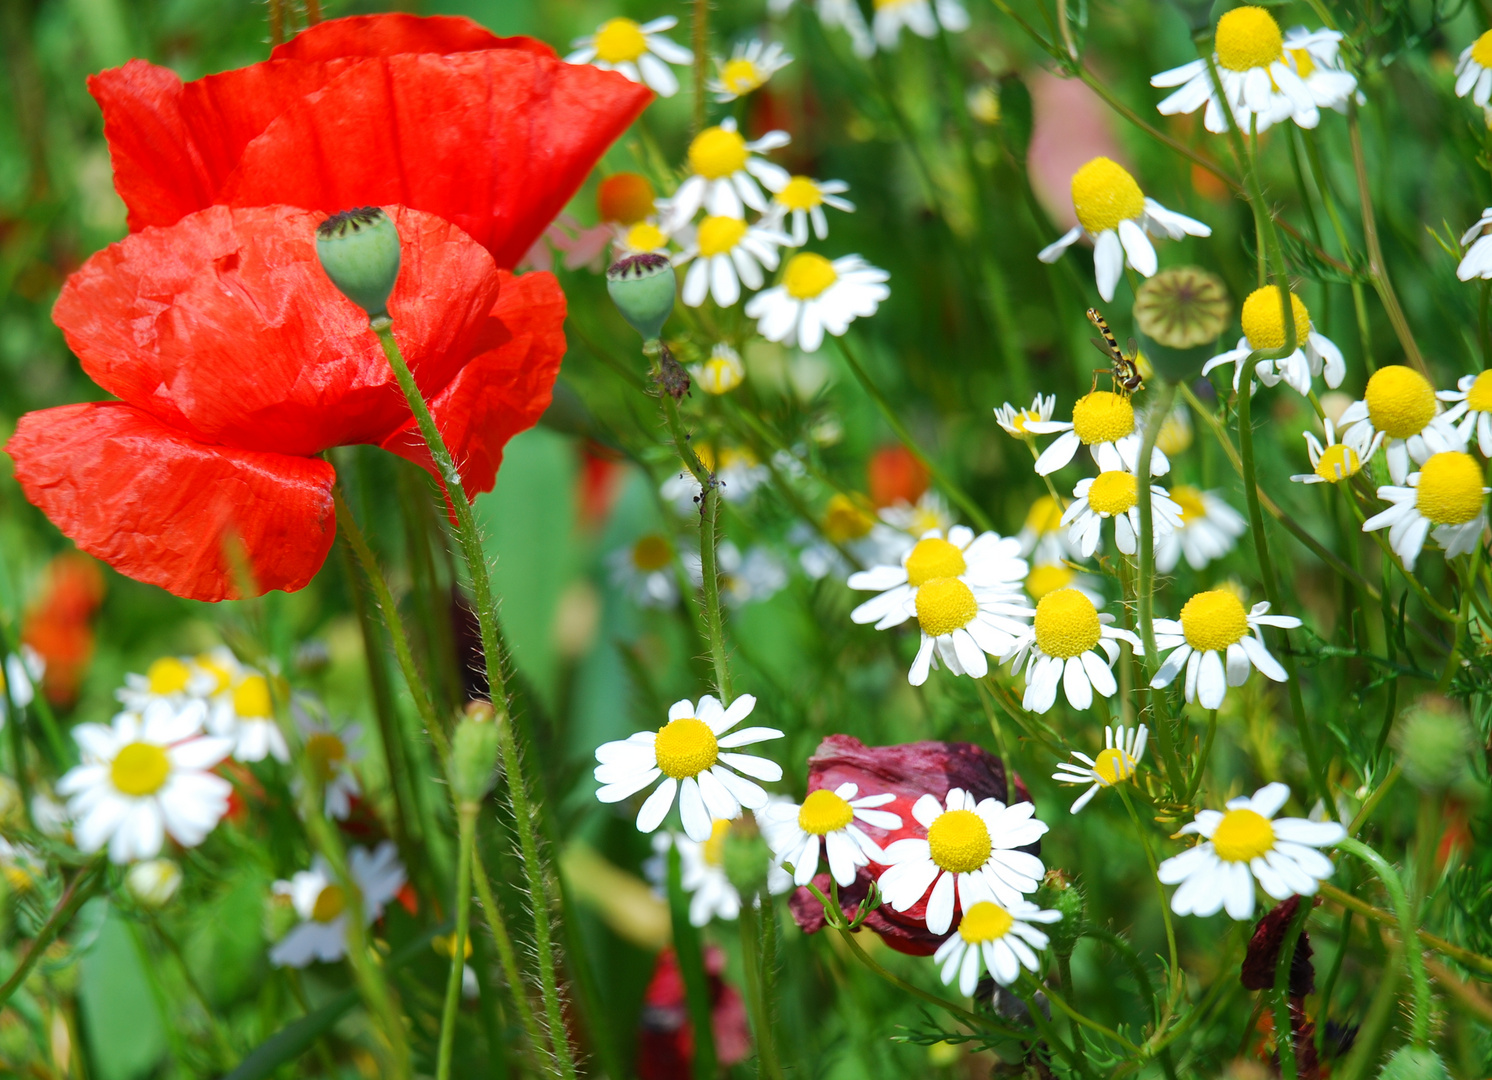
(1058, 892)
(153, 883)
(745, 858)
(359, 250)
(1414, 1063)
(1435, 743)
(1179, 315)
(642, 287)
(474, 753)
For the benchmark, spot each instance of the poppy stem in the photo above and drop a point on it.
(468, 832)
(508, 957)
(517, 785)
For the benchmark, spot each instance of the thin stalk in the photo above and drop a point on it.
(1284, 1031)
(1359, 301)
(1344, 935)
(1192, 788)
(226, 1053)
(276, 22)
(1078, 1018)
(691, 961)
(1419, 1017)
(467, 815)
(84, 885)
(701, 36)
(752, 961)
(1077, 1060)
(1165, 906)
(508, 957)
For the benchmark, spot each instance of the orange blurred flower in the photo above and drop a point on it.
(59, 623)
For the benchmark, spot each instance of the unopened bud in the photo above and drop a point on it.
(1059, 893)
(642, 287)
(1179, 314)
(1435, 743)
(1414, 1063)
(153, 883)
(474, 753)
(359, 250)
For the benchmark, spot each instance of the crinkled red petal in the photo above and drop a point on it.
(395, 33)
(166, 510)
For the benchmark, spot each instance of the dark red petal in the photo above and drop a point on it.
(225, 327)
(504, 390)
(161, 508)
(495, 141)
(389, 35)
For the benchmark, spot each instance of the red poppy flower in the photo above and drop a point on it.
(665, 1045)
(908, 771)
(493, 134)
(237, 362)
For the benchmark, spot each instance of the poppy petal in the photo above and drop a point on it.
(395, 33)
(158, 506)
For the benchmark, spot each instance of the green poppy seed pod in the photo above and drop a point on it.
(359, 250)
(1414, 1063)
(1435, 743)
(642, 287)
(1058, 893)
(474, 753)
(1179, 315)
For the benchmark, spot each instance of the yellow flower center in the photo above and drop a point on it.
(716, 153)
(844, 519)
(1066, 624)
(1213, 620)
(445, 945)
(220, 674)
(646, 237)
(934, 558)
(1114, 492)
(1190, 500)
(168, 675)
(1305, 67)
(1400, 400)
(1450, 489)
(1104, 194)
(251, 697)
(686, 747)
(1481, 52)
(1175, 434)
(958, 840)
(800, 193)
(741, 76)
(140, 769)
(1262, 324)
(1048, 579)
(985, 921)
(717, 235)
(327, 753)
(807, 275)
(651, 553)
(1044, 516)
(1102, 416)
(721, 374)
(1338, 462)
(713, 849)
(824, 812)
(945, 605)
(1114, 765)
(331, 901)
(619, 41)
(1479, 397)
(1242, 835)
(1248, 37)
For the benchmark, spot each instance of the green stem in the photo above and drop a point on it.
(1284, 1031)
(1419, 1020)
(1165, 906)
(84, 885)
(690, 957)
(507, 956)
(467, 813)
(701, 35)
(1196, 782)
(761, 1022)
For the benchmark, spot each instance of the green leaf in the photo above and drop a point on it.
(126, 1036)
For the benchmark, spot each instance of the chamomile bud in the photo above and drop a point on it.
(1059, 893)
(1179, 313)
(1435, 743)
(153, 883)
(643, 287)
(1414, 1063)
(474, 753)
(359, 250)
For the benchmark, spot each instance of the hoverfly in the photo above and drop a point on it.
(1122, 370)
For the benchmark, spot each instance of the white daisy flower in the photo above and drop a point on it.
(21, 866)
(645, 237)
(750, 65)
(921, 17)
(724, 170)
(1264, 328)
(244, 713)
(1472, 410)
(1314, 56)
(1013, 419)
(702, 874)
(988, 561)
(332, 749)
(929, 513)
(721, 373)
(1175, 435)
(727, 253)
(1116, 215)
(693, 754)
(803, 199)
(168, 679)
(1477, 262)
(1336, 461)
(1474, 71)
(970, 848)
(796, 832)
(642, 572)
(960, 624)
(844, 14)
(1116, 762)
(18, 678)
(638, 51)
(1043, 537)
(146, 776)
(321, 904)
(1258, 80)
(1060, 646)
(1244, 843)
(1104, 422)
(816, 295)
(1216, 641)
(852, 525)
(1401, 404)
(1000, 936)
(1209, 528)
(1048, 577)
(737, 473)
(1115, 494)
(1445, 499)
(748, 578)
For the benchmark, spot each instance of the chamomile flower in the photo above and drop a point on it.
(930, 512)
(737, 471)
(827, 819)
(816, 295)
(1013, 419)
(143, 777)
(1043, 537)
(851, 524)
(168, 679)
(1477, 262)
(988, 561)
(921, 17)
(803, 199)
(1336, 461)
(721, 373)
(637, 50)
(724, 170)
(18, 678)
(1061, 646)
(745, 578)
(1115, 494)
(332, 748)
(1258, 80)
(1209, 528)
(694, 755)
(960, 624)
(702, 873)
(1104, 422)
(727, 253)
(1115, 214)
(1048, 577)
(1474, 71)
(1314, 56)
(1001, 936)
(1217, 641)
(321, 904)
(1116, 762)
(1444, 499)
(1264, 328)
(970, 850)
(1243, 843)
(844, 14)
(244, 713)
(1400, 404)
(1472, 410)
(642, 571)
(750, 65)
(645, 237)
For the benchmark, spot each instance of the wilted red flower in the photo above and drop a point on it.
(59, 623)
(665, 1045)
(238, 362)
(894, 476)
(908, 771)
(493, 134)
(1264, 952)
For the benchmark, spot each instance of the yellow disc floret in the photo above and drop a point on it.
(1450, 489)
(651, 553)
(1242, 835)
(824, 812)
(646, 237)
(958, 840)
(717, 153)
(1048, 578)
(1113, 765)
(1248, 37)
(1102, 416)
(327, 753)
(221, 676)
(807, 275)
(1479, 397)
(1338, 461)
(985, 921)
(620, 41)
(1481, 52)
(1044, 516)
(1263, 324)
(945, 605)
(1104, 194)
(1193, 509)
(686, 747)
(251, 697)
(932, 558)
(1213, 620)
(717, 235)
(1066, 624)
(1114, 492)
(713, 849)
(741, 76)
(140, 769)
(1400, 400)
(331, 901)
(1305, 67)
(168, 675)
(800, 193)
(845, 519)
